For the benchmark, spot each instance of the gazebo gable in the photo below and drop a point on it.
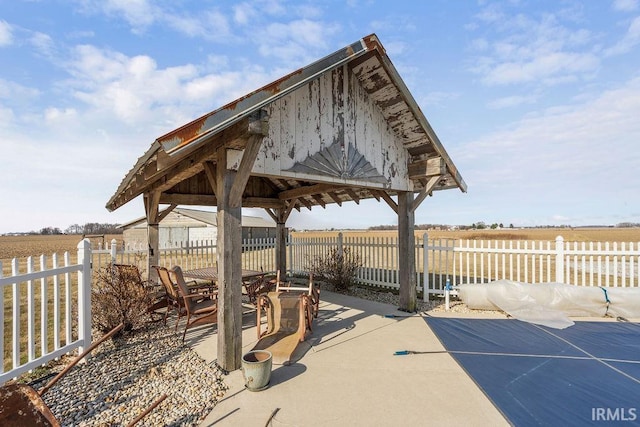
(344, 128)
(331, 131)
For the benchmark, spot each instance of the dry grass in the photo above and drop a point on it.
(539, 234)
(24, 246)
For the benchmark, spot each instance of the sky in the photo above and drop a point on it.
(537, 102)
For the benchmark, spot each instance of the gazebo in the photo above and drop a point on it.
(342, 129)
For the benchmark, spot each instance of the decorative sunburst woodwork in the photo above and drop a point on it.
(334, 161)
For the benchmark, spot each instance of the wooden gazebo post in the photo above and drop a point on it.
(230, 187)
(151, 206)
(229, 248)
(406, 251)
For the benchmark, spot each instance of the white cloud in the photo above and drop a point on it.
(581, 150)
(439, 98)
(297, 40)
(43, 43)
(6, 36)
(511, 101)
(136, 92)
(140, 14)
(625, 5)
(629, 41)
(211, 25)
(523, 50)
(244, 13)
(16, 93)
(54, 115)
(547, 67)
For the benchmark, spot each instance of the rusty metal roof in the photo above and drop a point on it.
(377, 75)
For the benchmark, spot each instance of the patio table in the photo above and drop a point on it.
(211, 274)
(249, 278)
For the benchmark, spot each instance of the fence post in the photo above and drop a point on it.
(289, 241)
(114, 250)
(425, 268)
(84, 294)
(340, 248)
(559, 259)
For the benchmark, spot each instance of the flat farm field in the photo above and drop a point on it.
(537, 234)
(36, 245)
(24, 246)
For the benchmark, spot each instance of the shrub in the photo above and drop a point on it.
(119, 296)
(338, 268)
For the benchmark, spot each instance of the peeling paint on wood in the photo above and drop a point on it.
(332, 128)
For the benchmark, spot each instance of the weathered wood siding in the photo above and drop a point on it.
(331, 117)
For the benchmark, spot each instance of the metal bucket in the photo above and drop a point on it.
(256, 369)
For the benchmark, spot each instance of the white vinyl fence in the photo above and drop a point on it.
(48, 307)
(45, 298)
(478, 261)
(257, 254)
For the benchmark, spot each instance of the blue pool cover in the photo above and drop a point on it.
(587, 374)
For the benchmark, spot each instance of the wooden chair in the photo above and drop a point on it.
(256, 287)
(200, 307)
(288, 317)
(311, 290)
(173, 300)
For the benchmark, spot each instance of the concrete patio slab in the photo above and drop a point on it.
(346, 373)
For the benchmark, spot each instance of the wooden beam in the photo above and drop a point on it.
(151, 207)
(387, 198)
(406, 253)
(426, 190)
(211, 200)
(262, 202)
(189, 199)
(210, 172)
(229, 254)
(281, 238)
(271, 214)
(254, 143)
(304, 202)
(180, 167)
(352, 194)
(335, 197)
(318, 199)
(289, 208)
(166, 212)
(307, 190)
(192, 163)
(425, 168)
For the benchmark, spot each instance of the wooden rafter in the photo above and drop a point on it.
(305, 202)
(319, 200)
(335, 197)
(352, 194)
(307, 190)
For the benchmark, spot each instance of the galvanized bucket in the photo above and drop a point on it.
(256, 369)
